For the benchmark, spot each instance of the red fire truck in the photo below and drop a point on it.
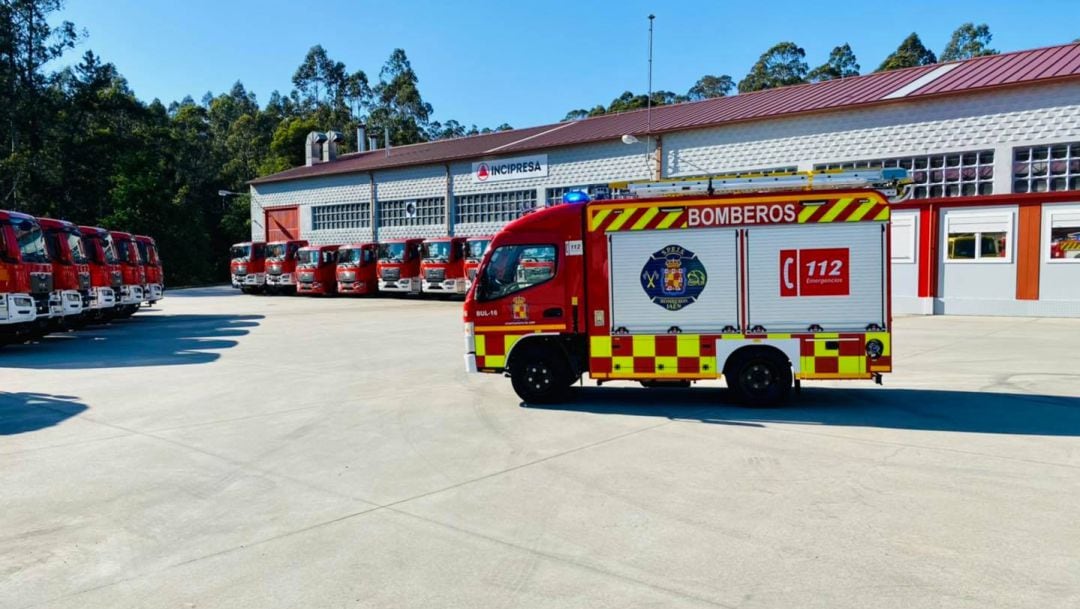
(70, 269)
(281, 265)
(131, 271)
(247, 266)
(398, 266)
(356, 269)
(785, 280)
(442, 265)
(154, 288)
(316, 269)
(106, 278)
(27, 299)
(475, 248)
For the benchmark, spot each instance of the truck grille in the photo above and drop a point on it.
(306, 277)
(275, 270)
(435, 274)
(391, 274)
(41, 283)
(116, 278)
(84, 281)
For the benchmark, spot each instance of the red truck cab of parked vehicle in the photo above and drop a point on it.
(398, 265)
(316, 269)
(70, 266)
(442, 265)
(106, 278)
(281, 265)
(131, 270)
(764, 290)
(154, 288)
(247, 266)
(475, 248)
(356, 269)
(26, 283)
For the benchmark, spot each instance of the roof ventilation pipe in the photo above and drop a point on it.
(313, 148)
(372, 142)
(361, 138)
(386, 140)
(329, 151)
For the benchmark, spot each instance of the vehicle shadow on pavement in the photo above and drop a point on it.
(26, 412)
(916, 409)
(152, 340)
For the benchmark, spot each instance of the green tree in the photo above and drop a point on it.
(969, 40)
(841, 64)
(782, 65)
(909, 54)
(398, 105)
(708, 87)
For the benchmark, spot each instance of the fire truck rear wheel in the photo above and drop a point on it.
(759, 377)
(540, 375)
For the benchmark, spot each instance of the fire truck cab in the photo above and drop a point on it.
(26, 284)
(356, 269)
(247, 266)
(70, 268)
(154, 287)
(398, 266)
(787, 282)
(106, 278)
(442, 265)
(475, 248)
(316, 269)
(281, 265)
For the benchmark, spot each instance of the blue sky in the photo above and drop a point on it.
(518, 61)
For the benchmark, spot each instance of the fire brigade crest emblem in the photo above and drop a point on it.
(673, 277)
(520, 309)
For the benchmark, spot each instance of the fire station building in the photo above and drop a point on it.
(992, 143)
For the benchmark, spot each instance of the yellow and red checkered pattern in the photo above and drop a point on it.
(493, 343)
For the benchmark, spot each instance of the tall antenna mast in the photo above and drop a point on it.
(648, 99)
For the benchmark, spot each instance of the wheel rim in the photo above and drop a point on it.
(538, 377)
(758, 377)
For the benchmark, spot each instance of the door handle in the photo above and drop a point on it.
(553, 312)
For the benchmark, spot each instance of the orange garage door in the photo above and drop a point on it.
(282, 223)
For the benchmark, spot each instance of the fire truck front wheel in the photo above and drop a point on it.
(541, 374)
(759, 376)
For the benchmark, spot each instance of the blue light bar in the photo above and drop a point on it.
(576, 196)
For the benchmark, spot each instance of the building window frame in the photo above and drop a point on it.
(341, 216)
(979, 224)
(909, 221)
(1046, 168)
(493, 207)
(938, 175)
(412, 211)
(1068, 216)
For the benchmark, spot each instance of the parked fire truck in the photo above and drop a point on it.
(475, 248)
(281, 265)
(154, 288)
(398, 266)
(70, 270)
(764, 280)
(27, 300)
(247, 266)
(106, 278)
(131, 270)
(356, 269)
(442, 265)
(316, 269)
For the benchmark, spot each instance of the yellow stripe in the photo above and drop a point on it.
(837, 207)
(861, 211)
(645, 218)
(598, 219)
(806, 212)
(670, 219)
(523, 328)
(883, 214)
(617, 223)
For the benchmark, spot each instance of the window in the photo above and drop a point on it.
(1046, 168)
(344, 215)
(904, 237)
(494, 206)
(554, 196)
(513, 268)
(412, 212)
(1061, 233)
(31, 241)
(978, 237)
(958, 174)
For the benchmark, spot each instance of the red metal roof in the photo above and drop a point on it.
(1008, 69)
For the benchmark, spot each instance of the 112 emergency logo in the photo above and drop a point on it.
(673, 277)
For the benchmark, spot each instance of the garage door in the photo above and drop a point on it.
(282, 223)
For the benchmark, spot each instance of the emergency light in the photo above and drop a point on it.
(576, 196)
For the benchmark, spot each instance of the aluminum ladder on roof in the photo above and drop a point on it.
(890, 182)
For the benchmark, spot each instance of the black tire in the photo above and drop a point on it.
(760, 377)
(541, 375)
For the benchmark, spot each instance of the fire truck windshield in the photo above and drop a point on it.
(109, 247)
(276, 251)
(352, 255)
(391, 252)
(78, 250)
(476, 249)
(513, 268)
(435, 251)
(31, 241)
(306, 256)
(240, 252)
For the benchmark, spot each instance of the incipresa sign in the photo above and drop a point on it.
(517, 168)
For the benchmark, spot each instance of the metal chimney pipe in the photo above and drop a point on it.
(386, 140)
(361, 138)
(372, 142)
